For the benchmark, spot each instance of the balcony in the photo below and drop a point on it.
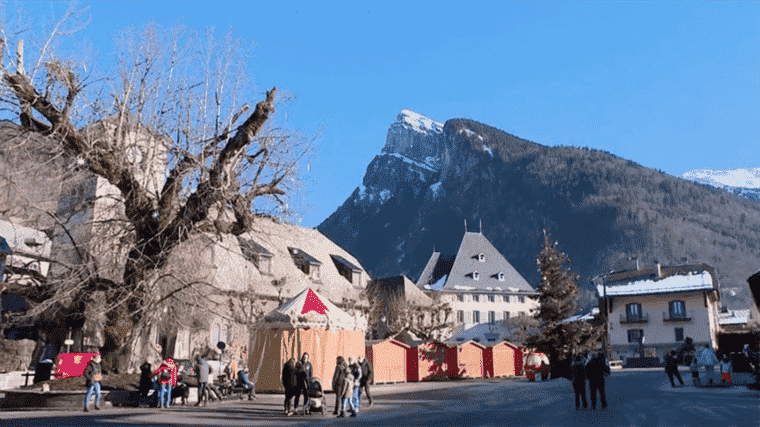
(634, 318)
(675, 317)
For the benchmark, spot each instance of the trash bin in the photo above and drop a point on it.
(42, 371)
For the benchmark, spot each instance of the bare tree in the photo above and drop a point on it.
(206, 166)
(391, 313)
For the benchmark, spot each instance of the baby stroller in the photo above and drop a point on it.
(316, 396)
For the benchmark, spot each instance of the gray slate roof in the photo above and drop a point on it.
(459, 269)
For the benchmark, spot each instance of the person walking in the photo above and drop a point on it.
(578, 379)
(346, 390)
(671, 368)
(708, 359)
(725, 370)
(694, 369)
(356, 371)
(167, 378)
(596, 371)
(145, 382)
(337, 382)
(366, 380)
(202, 371)
(93, 375)
(303, 375)
(290, 383)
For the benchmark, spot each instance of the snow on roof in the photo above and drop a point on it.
(734, 317)
(437, 286)
(676, 283)
(419, 122)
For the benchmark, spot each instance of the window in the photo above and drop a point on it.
(475, 316)
(475, 275)
(501, 276)
(633, 310)
(679, 334)
(492, 317)
(492, 298)
(507, 298)
(460, 297)
(460, 316)
(476, 297)
(522, 298)
(677, 309)
(635, 335)
(315, 272)
(214, 333)
(223, 334)
(521, 314)
(265, 264)
(506, 315)
(482, 257)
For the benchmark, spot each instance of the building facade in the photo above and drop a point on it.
(650, 311)
(483, 289)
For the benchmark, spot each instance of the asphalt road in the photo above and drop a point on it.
(635, 398)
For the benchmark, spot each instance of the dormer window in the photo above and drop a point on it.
(347, 269)
(306, 263)
(482, 257)
(475, 275)
(501, 276)
(265, 264)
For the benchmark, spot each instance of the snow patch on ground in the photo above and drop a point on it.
(488, 150)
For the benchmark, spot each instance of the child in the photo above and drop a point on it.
(725, 369)
(694, 368)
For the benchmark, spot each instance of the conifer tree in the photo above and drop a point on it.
(558, 300)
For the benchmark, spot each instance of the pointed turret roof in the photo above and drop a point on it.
(309, 309)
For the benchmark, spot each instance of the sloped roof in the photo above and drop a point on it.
(401, 285)
(458, 270)
(674, 283)
(734, 317)
(344, 262)
(220, 260)
(311, 310)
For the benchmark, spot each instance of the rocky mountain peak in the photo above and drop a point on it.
(415, 137)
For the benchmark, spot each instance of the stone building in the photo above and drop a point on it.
(482, 288)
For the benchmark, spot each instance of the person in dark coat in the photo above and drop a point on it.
(146, 384)
(337, 382)
(366, 379)
(303, 373)
(671, 368)
(578, 379)
(93, 374)
(290, 383)
(596, 370)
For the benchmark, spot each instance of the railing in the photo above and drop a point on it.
(637, 318)
(675, 317)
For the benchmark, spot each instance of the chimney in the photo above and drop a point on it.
(659, 269)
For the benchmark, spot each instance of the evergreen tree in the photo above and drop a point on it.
(558, 300)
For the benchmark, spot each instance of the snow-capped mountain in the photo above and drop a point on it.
(741, 178)
(432, 181)
(741, 182)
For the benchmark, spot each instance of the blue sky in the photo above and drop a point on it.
(671, 85)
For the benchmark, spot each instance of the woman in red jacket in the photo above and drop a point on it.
(166, 374)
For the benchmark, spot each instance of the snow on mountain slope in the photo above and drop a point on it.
(741, 178)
